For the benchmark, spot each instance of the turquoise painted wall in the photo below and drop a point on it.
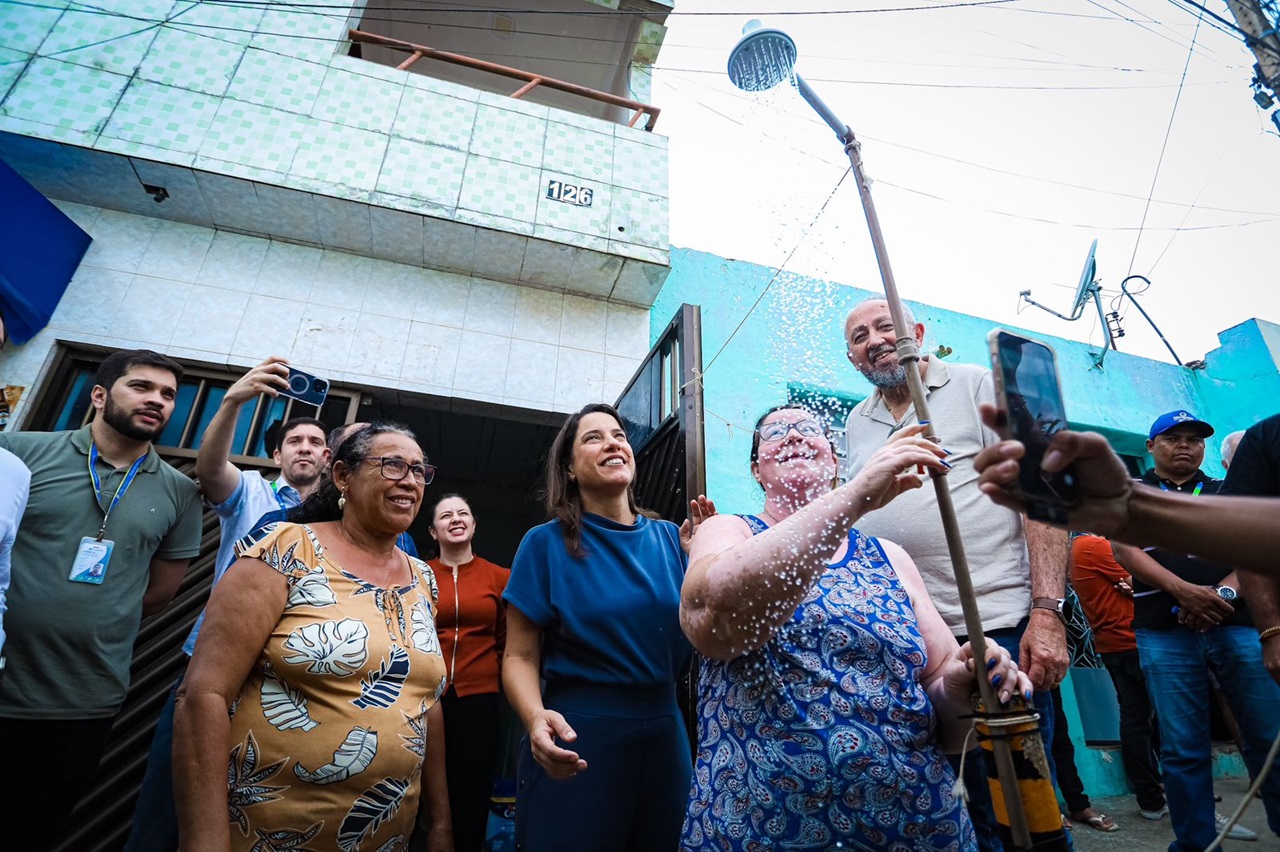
(794, 336)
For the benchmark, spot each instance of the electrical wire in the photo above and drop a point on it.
(624, 13)
(1141, 25)
(1208, 177)
(371, 16)
(1249, 40)
(1164, 146)
(1092, 226)
(777, 272)
(903, 146)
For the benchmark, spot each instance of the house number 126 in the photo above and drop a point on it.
(558, 190)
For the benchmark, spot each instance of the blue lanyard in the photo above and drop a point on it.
(275, 490)
(120, 489)
(1194, 493)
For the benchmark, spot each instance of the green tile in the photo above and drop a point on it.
(162, 117)
(73, 100)
(335, 154)
(183, 58)
(281, 82)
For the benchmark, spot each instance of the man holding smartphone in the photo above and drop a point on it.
(239, 498)
(1191, 620)
(1018, 568)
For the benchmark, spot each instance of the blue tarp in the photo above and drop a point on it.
(40, 248)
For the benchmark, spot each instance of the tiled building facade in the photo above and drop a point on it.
(371, 224)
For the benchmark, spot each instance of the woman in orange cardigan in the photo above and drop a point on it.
(472, 624)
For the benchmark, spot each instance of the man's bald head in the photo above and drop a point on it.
(1229, 445)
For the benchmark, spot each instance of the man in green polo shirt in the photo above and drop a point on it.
(106, 538)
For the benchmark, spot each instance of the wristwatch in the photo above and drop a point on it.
(1054, 604)
(1227, 593)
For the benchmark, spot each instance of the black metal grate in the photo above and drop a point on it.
(101, 820)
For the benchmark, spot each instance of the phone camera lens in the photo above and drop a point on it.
(320, 386)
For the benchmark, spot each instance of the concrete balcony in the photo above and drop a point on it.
(254, 120)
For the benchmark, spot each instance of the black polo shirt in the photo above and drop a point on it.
(1152, 608)
(1255, 468)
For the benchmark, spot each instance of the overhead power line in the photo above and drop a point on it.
(1164, 146)
(626, 13)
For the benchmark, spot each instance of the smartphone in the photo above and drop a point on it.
(1028, 391)
(307, 388)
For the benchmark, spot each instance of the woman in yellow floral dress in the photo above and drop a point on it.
(308, 715)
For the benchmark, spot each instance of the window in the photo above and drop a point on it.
(199, 394)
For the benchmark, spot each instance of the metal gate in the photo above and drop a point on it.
(661, 410)
(101, 820)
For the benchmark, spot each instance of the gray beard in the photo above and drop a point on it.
(887, 377)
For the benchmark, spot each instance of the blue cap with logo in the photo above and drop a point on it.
(1165, 422)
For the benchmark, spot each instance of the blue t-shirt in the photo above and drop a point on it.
(612, 617)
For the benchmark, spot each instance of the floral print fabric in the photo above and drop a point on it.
(823, 737)
(328, 734)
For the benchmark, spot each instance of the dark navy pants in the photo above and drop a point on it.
(635, 791)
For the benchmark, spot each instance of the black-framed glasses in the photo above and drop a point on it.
(778, 429)
(397, 469)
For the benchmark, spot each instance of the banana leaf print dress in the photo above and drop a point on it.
(328, 734)
(823, 737)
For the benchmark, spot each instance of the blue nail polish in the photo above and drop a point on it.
(944, 464)
(995, 681)
(991, 664)
(925, 422)
(1027, 695)
(948, 452)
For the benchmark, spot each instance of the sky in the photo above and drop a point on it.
(1001, 141)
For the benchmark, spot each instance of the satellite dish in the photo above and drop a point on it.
(1084, 288)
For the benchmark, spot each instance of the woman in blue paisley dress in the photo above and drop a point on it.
(309, 713)
(831, 688)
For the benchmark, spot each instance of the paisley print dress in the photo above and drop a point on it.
(328, 734)
(823, 737)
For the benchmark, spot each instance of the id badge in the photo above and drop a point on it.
(90, 565)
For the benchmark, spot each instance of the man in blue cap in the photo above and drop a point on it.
(1192, 624)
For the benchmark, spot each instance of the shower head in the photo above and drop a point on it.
(762, 58)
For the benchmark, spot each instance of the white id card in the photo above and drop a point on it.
(90, 565)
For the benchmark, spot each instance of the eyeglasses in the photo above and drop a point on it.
(397, 469)
(778, 430)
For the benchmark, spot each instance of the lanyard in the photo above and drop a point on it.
(275, 490)
(1194, 493)
(120, 489)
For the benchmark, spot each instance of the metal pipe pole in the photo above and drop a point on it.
(909, 357)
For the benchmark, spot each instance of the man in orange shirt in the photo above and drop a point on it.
(1106, 595)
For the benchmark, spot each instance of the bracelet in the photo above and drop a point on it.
(1273, 630)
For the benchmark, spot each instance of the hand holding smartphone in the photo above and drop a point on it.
(307, 388)
(1030, 395)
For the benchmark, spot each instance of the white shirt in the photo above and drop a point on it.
(994, 540)
(15, 486)
(239, 514)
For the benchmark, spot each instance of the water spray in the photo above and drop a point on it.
(1022, 790)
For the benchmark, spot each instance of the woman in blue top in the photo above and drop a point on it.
(594, 601)
(832, 687)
